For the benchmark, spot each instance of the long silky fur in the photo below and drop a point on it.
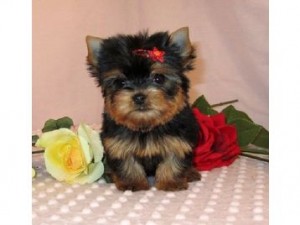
(165, 148)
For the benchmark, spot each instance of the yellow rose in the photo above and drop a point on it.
(33, 173)
(71, 157)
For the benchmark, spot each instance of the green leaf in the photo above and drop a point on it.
(34, 139)
(202, 104)
(262, 139)
(64, 122)
(232, 114)
(50, 125)
(247, 131)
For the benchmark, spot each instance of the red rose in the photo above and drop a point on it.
(218, 146)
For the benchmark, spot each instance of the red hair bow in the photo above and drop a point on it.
(154, 54)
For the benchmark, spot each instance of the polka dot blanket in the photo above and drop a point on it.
(234, 195)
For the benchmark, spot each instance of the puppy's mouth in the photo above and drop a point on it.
(144, 112)
(142, 109)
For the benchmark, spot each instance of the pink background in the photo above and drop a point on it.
(231, 38)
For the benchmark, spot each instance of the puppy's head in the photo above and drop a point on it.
(142, 76)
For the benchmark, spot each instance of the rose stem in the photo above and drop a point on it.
(224, 103)
(255, 157)
(37, 152)
(256, 150)
(263, 152)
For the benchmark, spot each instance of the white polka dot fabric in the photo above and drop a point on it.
(234, 195)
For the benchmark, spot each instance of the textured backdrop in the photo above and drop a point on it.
(231, 38)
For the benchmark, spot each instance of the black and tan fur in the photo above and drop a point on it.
(148, 125)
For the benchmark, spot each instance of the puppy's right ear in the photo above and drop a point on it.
(94, 45)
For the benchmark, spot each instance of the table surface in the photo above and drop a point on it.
(234, 195)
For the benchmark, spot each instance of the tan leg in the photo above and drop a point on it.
(131, 177)
(168, 175)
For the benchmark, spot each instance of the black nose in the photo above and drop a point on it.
(139, 99)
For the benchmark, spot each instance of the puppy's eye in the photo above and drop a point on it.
(159, 78)
(120, 82)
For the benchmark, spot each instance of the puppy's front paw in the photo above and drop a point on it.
(191, 174)
(172, 185)
(131, 186)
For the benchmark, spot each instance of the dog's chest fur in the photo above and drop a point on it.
(146, 145)
(174, 138)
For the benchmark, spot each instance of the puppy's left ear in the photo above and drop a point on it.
(181, 38)
(94, 45)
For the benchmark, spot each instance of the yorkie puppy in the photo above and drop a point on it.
(148, 126)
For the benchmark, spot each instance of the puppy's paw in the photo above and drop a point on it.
(191, 174)
(172, 185)
(131, 186)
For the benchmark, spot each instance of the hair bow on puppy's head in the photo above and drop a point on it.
(154, 54)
